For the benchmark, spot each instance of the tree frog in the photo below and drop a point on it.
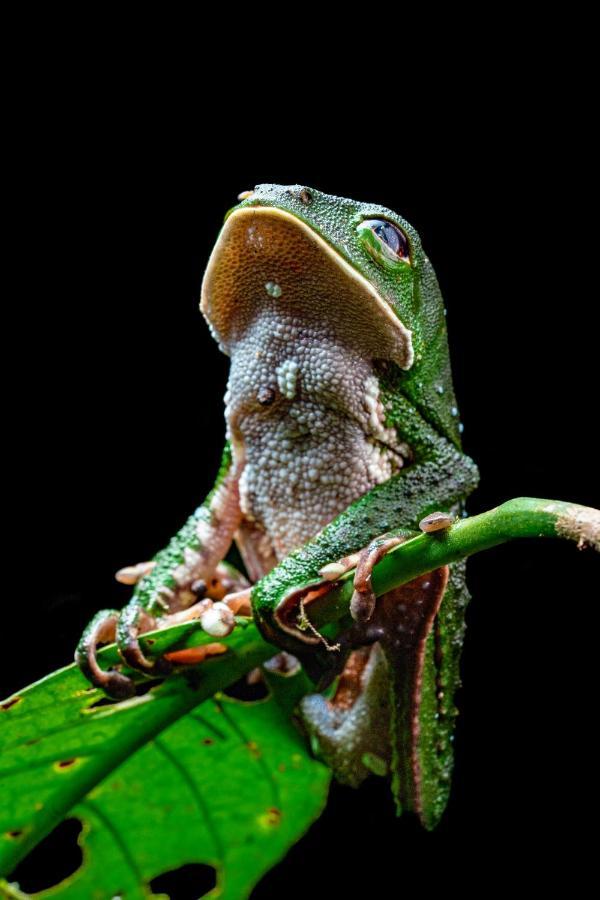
(342, 437)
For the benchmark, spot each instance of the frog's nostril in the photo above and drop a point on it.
(305, 197)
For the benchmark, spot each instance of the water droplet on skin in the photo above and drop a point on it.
(439, 388)
(461, 427)
(273, 289)
(454, 411)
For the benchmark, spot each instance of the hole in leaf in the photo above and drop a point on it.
(186, 883)
(54, 859)
(247, 693)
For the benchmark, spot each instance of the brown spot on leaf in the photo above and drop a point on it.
(271, 818)
(253, 748)
(14, 834)
(66, 763)
(8, 703)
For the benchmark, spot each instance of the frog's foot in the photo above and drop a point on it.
(102, 630)
(351, 731)
(189, 598)
(123, 627)
(362, 604)
(134, 621)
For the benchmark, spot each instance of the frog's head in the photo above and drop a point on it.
(360, 263)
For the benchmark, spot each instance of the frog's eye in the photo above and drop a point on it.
(384, 241)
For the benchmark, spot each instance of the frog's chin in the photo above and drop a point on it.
(268, 259)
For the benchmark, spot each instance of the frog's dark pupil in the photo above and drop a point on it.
(391, 236)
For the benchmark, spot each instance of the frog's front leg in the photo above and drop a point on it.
(188, 569)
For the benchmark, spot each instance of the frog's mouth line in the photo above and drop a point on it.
(265, 255)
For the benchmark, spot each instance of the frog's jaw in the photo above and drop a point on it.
(266, 256)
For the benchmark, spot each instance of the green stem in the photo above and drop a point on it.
(524, 517)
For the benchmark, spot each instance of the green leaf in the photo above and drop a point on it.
(237, 803)
(230, 784)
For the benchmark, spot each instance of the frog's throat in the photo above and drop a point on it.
(267, 256)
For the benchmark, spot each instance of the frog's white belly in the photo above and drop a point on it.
(305, 419)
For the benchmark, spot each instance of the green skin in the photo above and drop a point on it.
(420, 406)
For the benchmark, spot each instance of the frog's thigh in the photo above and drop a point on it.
(351, 731)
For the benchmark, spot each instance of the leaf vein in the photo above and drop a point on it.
(196, 794)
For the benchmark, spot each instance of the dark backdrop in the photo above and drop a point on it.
(120, 426)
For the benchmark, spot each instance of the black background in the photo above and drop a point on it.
(119, 420)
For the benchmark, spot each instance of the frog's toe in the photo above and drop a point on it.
(130, 575)
(362, 603)
(134, 621)
(102, 630)
(335, 570)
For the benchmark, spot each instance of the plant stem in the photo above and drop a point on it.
(524, 517)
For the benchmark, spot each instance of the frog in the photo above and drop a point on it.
(343, 439)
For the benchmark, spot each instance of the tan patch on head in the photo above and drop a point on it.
(265, 255)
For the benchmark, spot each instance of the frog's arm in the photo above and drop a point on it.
(186, 570)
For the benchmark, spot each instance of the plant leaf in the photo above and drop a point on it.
(237, 804)
(230, 785)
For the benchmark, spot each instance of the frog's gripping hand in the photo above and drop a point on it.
(182, 582)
